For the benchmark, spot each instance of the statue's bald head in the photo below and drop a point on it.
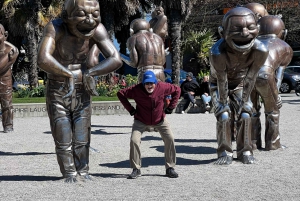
(258, 9)
(272, 24)
(70, 5)
(139, 24)
(238, 11)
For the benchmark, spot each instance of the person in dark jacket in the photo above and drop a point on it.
(189, 89)
(149, 113)
(204, 92)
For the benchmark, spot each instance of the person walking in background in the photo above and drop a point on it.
(150, 113)
(188, 90)
(204, 92)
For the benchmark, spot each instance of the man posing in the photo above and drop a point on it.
(149, 112)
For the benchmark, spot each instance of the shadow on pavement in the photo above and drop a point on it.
(95, 132)
(22, 154)
(113, 175)
(155, 161)
(111, 126)
(189, 150)
(28, 178)
(149, 138)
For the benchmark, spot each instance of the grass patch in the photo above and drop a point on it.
(43, 99)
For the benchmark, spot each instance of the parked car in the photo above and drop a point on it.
(290, 76)
(168, 75)
(295, 69)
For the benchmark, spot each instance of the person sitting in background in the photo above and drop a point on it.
(188, 90)
(204, 92)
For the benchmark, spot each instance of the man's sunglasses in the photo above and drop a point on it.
(149, 83)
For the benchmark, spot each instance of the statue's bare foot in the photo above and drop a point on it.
(283, 146)
(70, 179)
(94, 150)
(87, 177)
(224, 160)
(247, 159)
(8, 130)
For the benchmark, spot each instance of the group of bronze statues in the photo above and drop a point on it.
(246, 63)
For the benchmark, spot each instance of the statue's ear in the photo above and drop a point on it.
(284, 33)
(220, 30)
(131, 31)
(5, 34)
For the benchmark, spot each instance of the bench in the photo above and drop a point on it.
(199, 109)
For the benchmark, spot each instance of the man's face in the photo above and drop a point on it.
(150, 86)
(84, 18)
(189, 78)
(240, 32)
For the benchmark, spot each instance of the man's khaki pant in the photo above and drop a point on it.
(165, 131)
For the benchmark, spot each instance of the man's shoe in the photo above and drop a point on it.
(182, 112)
(207, 107)
(135, 173)
(170, 172)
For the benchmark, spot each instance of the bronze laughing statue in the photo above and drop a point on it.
(64, 55)
(272, 33)
(8, 56)
(146, 50)
(159, 22)
(235, 60)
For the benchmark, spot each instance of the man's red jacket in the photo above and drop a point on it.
(149, 107)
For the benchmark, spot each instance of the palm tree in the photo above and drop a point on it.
(198, 43)
(177, 12)
(25, 21)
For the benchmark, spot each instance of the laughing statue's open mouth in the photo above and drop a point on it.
(243, 45)
(86, 30)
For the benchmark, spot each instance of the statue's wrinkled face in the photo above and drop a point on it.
(240, 32)
(83, 18)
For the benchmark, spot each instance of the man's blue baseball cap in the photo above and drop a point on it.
(149, 76)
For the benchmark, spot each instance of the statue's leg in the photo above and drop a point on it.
(61, 127)
(244, 143)
(272, 137)
(82, 133)
(267, 88)
(7, 113)
(6, 105)
(244, 128)
(224, 150)
(255, 121)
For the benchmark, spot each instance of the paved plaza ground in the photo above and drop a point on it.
(29, 170)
